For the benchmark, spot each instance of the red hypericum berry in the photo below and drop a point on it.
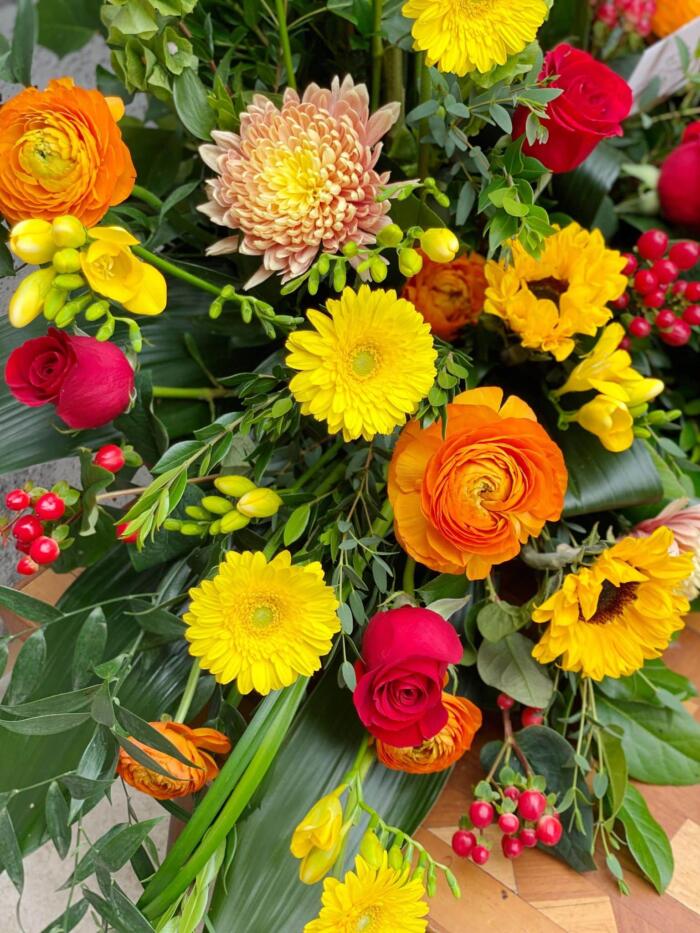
(508, 823)
(511, 792)
(632, 264)
(480, 855)
(677, 335)
(665, 271)
(50, 507)
(691, 315)
(531, 804)
(692, 292)
(528, 837)
(128, 539)
(511, 846)
(625, 343)
(27, 528)
(22, 548)
(26, 566)
(679, 287)
(549, 830)
(654, 299)
(481, 814)
(621, 302)
(503, 701)
(685, 254)
(665, 319)
(652, 244)
(110, 457)
(645, 281)
(639, 327)
(44, 550)
(531, 717)
(463, 842)
(17, 500)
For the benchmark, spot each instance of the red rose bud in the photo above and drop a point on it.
(26, 529)
(17, 500)
(405, 655)
(89, 382)
(591, 108)
(110, 457)
(49, 507)
(679, 181)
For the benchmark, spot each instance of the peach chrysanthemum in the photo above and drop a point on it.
(299, 179)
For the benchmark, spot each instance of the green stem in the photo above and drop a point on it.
(172, 269)
(426, 92)
(206, 394)
(143, 194)
(315, 467)
(409, 576)
(393, 79)
(281, 7)
(377, 53)
(190, 687)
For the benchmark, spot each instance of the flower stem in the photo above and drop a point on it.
(315, 467)
(281, 7)
(377, 53)
(409, 574)
(205, 393)
(190, 687)
(426, 92)
(143, 194)
(172, 269)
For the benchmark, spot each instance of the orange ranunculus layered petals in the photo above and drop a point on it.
(470, 500)
(61, 152)
(449, 295)
(194, 744)
(444, 749)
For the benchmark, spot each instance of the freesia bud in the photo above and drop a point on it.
(609, 419)
(67, 260)
(69, 232)
(217, 505)
(234, 485)
(390, 235)
(28, 299)
(439, 244)
(410, 262)
(232, 521)
(371, 849)
(259, 503)
(32, 242)
(318, 838)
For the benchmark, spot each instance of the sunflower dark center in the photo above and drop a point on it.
(612, 601)
(549, 288)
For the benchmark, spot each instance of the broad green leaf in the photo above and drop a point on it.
(581, 193)
(23, 37)
(28, 670)
(10, 854)
(89, 647)
(177, 456)
(60, 703)
(57, 819)
(119, 912)
(51, 724)
(496, 620)
(114, 848)
(27, 607)
(508, 666)
(192, 104)
(652, 684)
(143, 731)
(67, 25)
(296, 524)
(647, 841)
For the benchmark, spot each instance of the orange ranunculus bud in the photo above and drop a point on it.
(449, 294)
(61, 152)
(444, 749)
(470, 499)
(194, 744)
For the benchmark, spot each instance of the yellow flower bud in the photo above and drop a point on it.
(371, 849)
(318, 838)
(232, 521)
(259, 503)
(378, 270)
(31, 241)
(318, 863)
(69, 232)
(395, 858)
(439, 244)
(67, 260)
(217, 505)
(28, 299)
(390, 235)
(609, 419)
(410, 262)
(234, 485)
(194, 511)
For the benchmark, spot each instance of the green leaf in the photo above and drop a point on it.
(69, 919)
(296, 524)
(508, 666)
(653, 684)
(51, 724)
(177, 456)
(114, 849)
(647, 841)
(57, 819)
(27, 606)
(192, 104)
(662, 746)
(67, 25)
(23, 37)
(616, 769)
(119, 912)
(142, 427)
(581, 192)
(10, 853)
(498, 619)
(28, 670)
(89, 647)
(143, 731)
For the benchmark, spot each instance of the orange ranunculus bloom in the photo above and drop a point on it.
(467, 501)
(444, 749)
(193, 744)
(671, 15)
(61, 152)
(450, 294)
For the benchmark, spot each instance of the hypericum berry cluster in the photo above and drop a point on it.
(658, 301)
(629, 15)
(520, 809)
(38, 532)
(530, 715)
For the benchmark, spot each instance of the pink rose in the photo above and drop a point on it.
(405, 655)
(89, 382)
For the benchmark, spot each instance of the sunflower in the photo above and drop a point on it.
(367, 364)
(375, 900)
(466, 35)
(262, 624)
(607, 619)
(547, 301)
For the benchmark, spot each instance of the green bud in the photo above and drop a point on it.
(106, 331)
(340, 276)
(215, 527)
(66, 261)
(324, 264)
(234, 485)
(55, 300)
(674, 414)
(216, 308)
(642, 432)
(192, 529)
(390, 235)
(410, 262)
(96, 310)
(431, 884)
(441, 198)
(313, 281)
(195, 511)
(233, 521)
(350, 249)
(378, 270)
(395, 858)
(246, 312)
(371, 849)
(228, 292)
(657, 417)
(452, 884)
(69, 282)
(217, 505)
(365, 265)
(66, 315)
(135, 337)
(172, 524)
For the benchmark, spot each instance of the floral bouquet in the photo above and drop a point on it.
(374, 326)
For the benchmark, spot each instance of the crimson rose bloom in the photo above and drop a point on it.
(405, 655)
(594, 102)
(679, 182)
(89, 382)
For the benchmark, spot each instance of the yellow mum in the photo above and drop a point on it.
(609, 618)
(376, 900)
(466, 35)
(262, 624)
(547, 301)
(367, 364)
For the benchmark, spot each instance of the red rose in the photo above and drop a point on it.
(679, 181)
(89, 382)
(594, 102)
(405, 653)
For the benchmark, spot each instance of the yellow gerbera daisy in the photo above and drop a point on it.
(547, 301)
(367, 364)
(607, 619)
(466, 35)
(262, 624)
(374, 900)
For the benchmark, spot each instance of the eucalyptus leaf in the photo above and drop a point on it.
(10, 852)
(28, 670)
(89, 647)
(58, 819)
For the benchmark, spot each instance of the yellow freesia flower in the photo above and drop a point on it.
(605, 363)
(112, 270)
(610, 420)
(32, 241)
(28, 300)
(318, 838)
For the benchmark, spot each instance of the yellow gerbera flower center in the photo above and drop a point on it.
(264, 616)
(366, 921)
(364, 361)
